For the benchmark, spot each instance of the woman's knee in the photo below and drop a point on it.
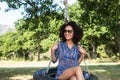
(78, 69)
(73, 78)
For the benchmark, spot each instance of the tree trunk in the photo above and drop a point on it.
(94, 53)
(118, 39)
(23, 53)
(38, 56)
(119, 46)
(66, 16)
(39, 51)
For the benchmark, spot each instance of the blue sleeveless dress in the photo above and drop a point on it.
(67, 57)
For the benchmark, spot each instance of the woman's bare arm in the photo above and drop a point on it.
(83, 53)
(81, 58)
(54, 47)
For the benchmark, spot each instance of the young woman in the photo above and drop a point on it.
(69, 53)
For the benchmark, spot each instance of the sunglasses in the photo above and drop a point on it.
(69, 31)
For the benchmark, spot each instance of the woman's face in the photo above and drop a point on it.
(68, 32)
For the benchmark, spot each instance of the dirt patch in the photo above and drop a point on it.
(44, 63)
(19, 77)
(25, 64)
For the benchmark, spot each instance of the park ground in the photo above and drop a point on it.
(23, 70)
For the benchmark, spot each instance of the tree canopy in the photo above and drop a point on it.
(38, 30)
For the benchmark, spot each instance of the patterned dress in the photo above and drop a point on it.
(67, 57)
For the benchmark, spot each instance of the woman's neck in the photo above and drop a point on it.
(70, 43)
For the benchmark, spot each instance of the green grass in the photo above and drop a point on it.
(103, 72)
(7, 73)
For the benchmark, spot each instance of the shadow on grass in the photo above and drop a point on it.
(8, 73)
(103, 72)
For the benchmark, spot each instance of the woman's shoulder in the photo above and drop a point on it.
(61, 42)
(77, 45)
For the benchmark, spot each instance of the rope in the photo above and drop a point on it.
(48, 66)
(86, 66)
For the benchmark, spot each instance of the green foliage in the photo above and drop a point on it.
(32, 8)
(100, 17)
(75, 12)
(39, 29)
(111, 49)
(47, 43)
(101, 51)
(8, 43)
(55, 25)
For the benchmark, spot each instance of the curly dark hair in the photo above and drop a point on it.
(78, 32)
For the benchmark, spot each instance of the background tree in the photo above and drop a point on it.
(66, 16)
(37, 18)
(38, 30)
(103, 13)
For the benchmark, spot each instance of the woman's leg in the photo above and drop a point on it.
(73, 77)
(70, 72)
(79, 74)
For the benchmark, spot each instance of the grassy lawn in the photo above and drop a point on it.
(23, 73)
(103, 72)
(106, 72)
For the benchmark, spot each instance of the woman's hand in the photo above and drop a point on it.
(54, 47)
(81, 50)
